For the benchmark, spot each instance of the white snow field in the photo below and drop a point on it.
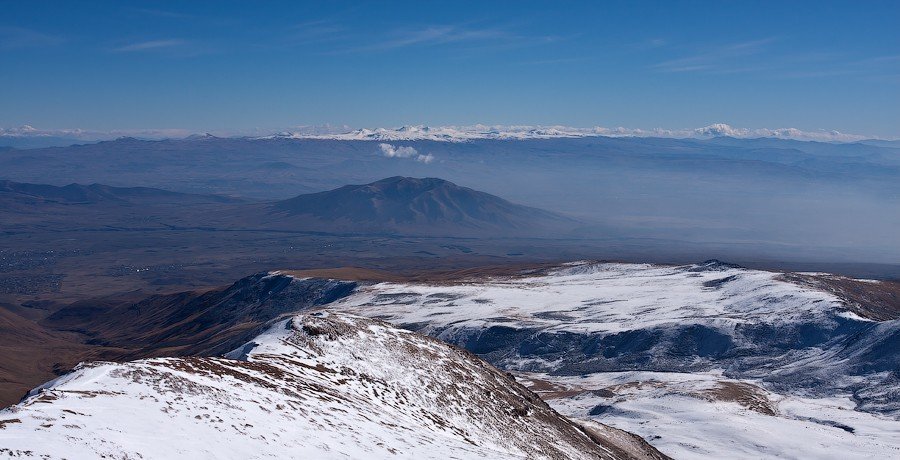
(709, 416)
(585, 297)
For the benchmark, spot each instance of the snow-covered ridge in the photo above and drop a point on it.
(28, 131)
(522, 132)
(320, 385)
(606, 297)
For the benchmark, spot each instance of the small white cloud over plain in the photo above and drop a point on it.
(391, 151)
(397, 152)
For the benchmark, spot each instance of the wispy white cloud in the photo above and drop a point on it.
(150, 45)
(554, 61)
(163, 13)
(438, 35)
(718, 58)
(316, 32)
(828, 65)
(648, 44)
(889, 59)
(469, 36)
(20, 37)
(760, 57)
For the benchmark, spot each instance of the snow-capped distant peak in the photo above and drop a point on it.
(448, 133)
(523, 132)
(453, 133)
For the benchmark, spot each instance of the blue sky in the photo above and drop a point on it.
(233, 66)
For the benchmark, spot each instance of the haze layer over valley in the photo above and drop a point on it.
(751, 200)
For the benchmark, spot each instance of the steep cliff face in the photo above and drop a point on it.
(196, 323)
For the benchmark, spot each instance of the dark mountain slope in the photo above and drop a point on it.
(432, 207)
(26, 207)
(31, 353)
(123, 327)
(191, 323)
(98, 193)
(408, 204)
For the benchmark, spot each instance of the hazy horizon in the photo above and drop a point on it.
(462, 133)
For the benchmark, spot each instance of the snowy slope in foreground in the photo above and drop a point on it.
(320, 385)
(824, 381)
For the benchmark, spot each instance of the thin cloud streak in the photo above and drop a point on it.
(432, 36)
(316, 32)
(756, 57)
(554, 61)
(488, 38)
(150, 45)
(163, 13)
(716, 58)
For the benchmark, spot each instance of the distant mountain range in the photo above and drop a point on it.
(397, 205)
(98, 193)
(30, 137)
